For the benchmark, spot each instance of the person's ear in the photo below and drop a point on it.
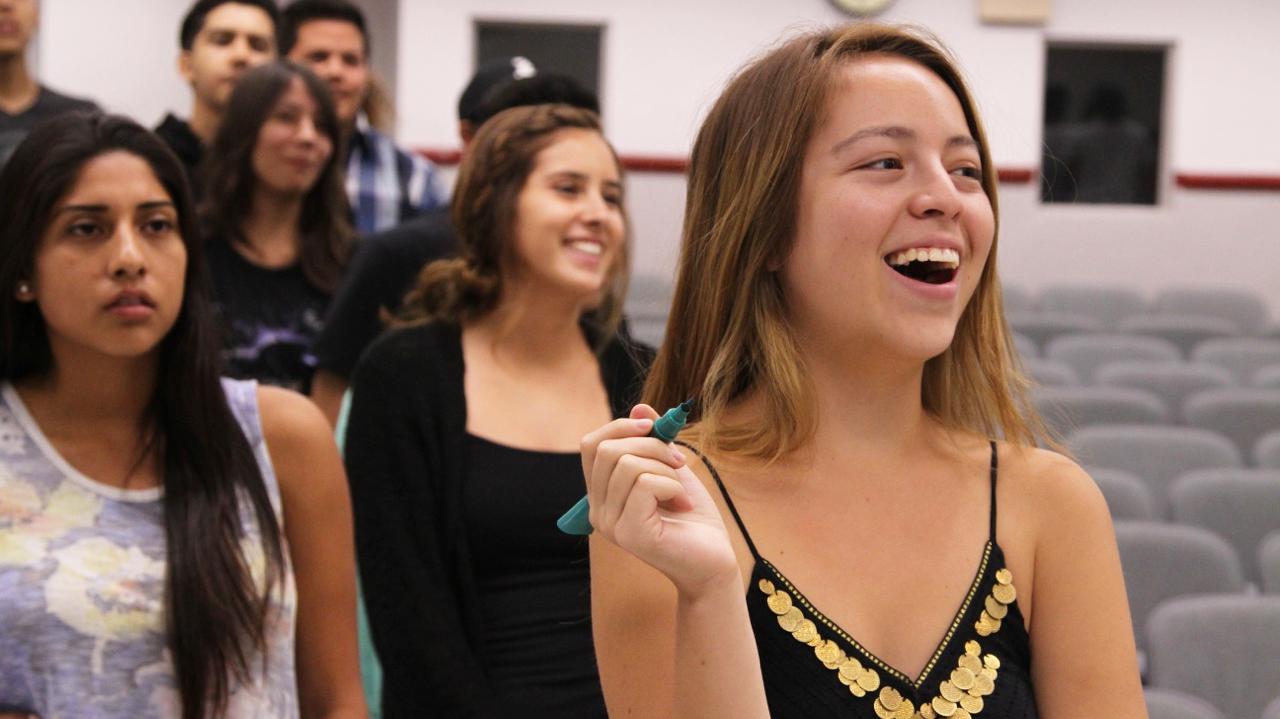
(184, 65)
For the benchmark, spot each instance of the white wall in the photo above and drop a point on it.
(665, 61)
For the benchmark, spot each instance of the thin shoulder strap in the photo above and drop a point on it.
(994, 464)
(727, 500)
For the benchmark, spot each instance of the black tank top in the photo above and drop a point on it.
(813, 668)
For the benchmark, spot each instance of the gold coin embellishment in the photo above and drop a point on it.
(973, 648)
(943, 707)
(828, 653)
(995, 609)
(906, 710)
(970, 662)
(890, 698)
(1004, 593)
(971, 704)
(857, 691)
(960, 714)
(949, 691)
(983, 684)
(962, 678)
(983, 628)
(850, 669)
(881, 711)
(992, 661)
(1004, 576)
(766, 586)
(791, 620)
(926, 711)
(806, 632)
(779, 603)
(869, 680)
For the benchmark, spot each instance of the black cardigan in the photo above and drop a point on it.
(406, 462)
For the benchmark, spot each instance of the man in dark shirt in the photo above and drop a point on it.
(220, 41)
(386, 264)
(24, 102)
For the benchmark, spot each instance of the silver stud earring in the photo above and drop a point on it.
(24, 289)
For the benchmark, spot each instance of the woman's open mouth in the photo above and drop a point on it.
(931, 265)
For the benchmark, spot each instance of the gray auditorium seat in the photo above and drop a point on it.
(1067, 408)
(1240, 505)
(1169, 704)
(1184, 331)
(1220, 648)
(1243, 414)
(1242, 356)
(1107, 304)
(1266, 451)
(1128, 497)
(1017, 299)
(1025, 346)
(1172, 381)
(1050, 373)
(1162, 561)
(1040, 327)
(1245, 309)
(1158, 455)
(1268, 377)
(1087, 352)
(1269, 561)
(1273, 709)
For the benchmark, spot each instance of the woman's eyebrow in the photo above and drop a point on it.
(153, 204)
(896, 132)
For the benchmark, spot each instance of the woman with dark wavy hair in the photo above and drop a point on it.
(160, 554)
(464, 427)
(276, 219)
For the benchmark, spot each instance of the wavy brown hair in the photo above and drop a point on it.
(493, 173)
(728, 331)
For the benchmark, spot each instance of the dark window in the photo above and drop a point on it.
(1102, 123)
(572, 50)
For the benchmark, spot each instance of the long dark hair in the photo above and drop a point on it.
(215, 615)
(492, 175)
(229, 179)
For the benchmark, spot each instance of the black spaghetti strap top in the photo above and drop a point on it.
(813, 668)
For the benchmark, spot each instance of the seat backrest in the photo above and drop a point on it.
(1243, 414)
(1269, 562)
(1016, 299)
(1268, 377)
(1107, 304)
(1185, 331)
(1087, 352)
(1068, 408)
(1266, 451)
(1050, 373)
(1246, 309)
(1169, 704)
(1240, 505)
(1040, 327)
(1128, 497)
(1172, 381)
(1273, 709)
(1162, 561)
(1158, 455)
(1220, 648)
(1242, 356)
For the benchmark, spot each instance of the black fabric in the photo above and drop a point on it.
(269, 318)
(382, 270)
(178, 135)
(533, 580)
(48, 104)
(797, 684)
(407, 463)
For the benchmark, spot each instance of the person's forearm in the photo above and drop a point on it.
(717, 666)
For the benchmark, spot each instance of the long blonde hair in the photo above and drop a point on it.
(728, 331)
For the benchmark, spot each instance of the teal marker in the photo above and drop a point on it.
(666, 428)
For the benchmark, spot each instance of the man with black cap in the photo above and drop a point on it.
(385, 265)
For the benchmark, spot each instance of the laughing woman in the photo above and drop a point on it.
(463, 433)
(862, 525)
(170, 544)
(276, 220)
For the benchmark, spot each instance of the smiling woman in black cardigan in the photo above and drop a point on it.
(463, 435)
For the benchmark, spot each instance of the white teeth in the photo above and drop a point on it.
(945, 255)
(590, 248)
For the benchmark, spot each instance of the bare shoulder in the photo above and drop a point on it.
(288, 417)
(1047, 485)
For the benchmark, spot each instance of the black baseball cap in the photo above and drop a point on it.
(491, 77)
